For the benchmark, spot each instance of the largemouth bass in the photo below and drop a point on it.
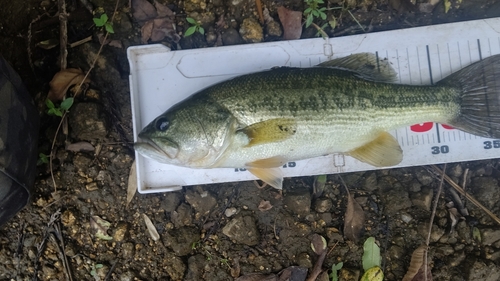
(260, 121)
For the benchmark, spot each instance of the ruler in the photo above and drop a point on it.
(421, 56)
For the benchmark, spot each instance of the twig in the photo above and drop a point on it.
(321, 31)
(59, 242)
(108, 276)
(317, 266)
(466, 195)
(431, 221)
(63, 36)
(258, 4)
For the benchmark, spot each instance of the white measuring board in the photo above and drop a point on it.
(160, 78)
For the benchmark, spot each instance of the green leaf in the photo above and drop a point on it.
(190, 31)
(49, 103)
(309, 20)
(43, 158)
(333, 23)
(109, 28)
(315, 13)
(67, 103)
(191, 20)
(322, 15)
(101, 21)
(373, 274)
(201, 30)
(322, 9)
(335, 267)
(371, 254)
(307, 11)
(320, 1)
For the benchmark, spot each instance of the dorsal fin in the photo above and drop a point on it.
(366, 65)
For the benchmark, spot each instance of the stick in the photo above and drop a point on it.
(258, 4)
(63, 36)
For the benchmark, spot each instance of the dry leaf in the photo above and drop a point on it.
(151, 228)
(163, 11)
(132, 183)
(101, 226)
(80, 146)
(416, 271)
(291, 22)
(354, 219)
(146, 31)
(62, 81)
(143, 10)
(265, 205)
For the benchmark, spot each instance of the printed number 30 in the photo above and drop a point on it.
(440, 149)
(488, 144)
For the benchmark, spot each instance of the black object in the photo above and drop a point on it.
(19, 123)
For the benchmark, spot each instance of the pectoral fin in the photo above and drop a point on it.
(381, 152)
(268, 131)
(268, 170)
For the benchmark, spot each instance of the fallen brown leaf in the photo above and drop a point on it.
(62, 81)
(265, 206)
(416, 271)
(354, 219)
(151, 228)
(163, 11)
(291, 22)
(80, 146)
(142, 10)
(132, 183)
(146, 31)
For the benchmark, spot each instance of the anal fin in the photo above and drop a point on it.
(383, 151)
(268, 170)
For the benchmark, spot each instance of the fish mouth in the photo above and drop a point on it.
(147, 147)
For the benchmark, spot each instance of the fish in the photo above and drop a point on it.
(260, 121)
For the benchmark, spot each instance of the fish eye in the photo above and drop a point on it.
(162, 124)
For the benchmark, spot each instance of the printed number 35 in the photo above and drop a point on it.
(491, 144)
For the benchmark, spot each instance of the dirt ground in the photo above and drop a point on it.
(220, 231)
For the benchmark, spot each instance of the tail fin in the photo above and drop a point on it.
(480, 97)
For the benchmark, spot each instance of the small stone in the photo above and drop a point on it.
(91, 186)
(396, 252)
(128, 250)
(423, 176)
(195, 267)
(273, 29)
(481, 271)
(243, 230)
(127, 276)
(415, 186)
(304, 260)
(323, 205)
(231, 37)
(455, 170)
(348, 274)
(182, 216)
(229, 212)
(486, 191)
(444, 250)
(489, 236)
(406, 218)
(182, 239)
(68, 218)
(436, 232)
(87, 122)
(251, 31)
(370, 182)
(422, 199)
(170, 201)
(175, 267)
(120, 232)
(201, 201)
(395, 200)
(299, 204)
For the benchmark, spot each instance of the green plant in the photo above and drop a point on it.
(103, 21)
(335, 268)
(42, 159)
(314, 11)
(195, 27)
(59, 110)
(93, 272)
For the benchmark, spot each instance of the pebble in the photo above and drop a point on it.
(349, 274)
(370, 182)
(128, 250)
(304, 260)
(423, 176)
(422, 199)
(395, 200)
(120, 231)
(273, 29)
(489, 236)
(229, 212)
(182, 239)
(323, 205)
(299, 204)
(486, 191)
(406, 217)
(195, 267)
(396, 252)
(170, 201)
(175, 267)
(201, 201)
(251, 31)
(242, 230)
(480, 271)
(182, 216)
(87, 122)
(231, 37)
